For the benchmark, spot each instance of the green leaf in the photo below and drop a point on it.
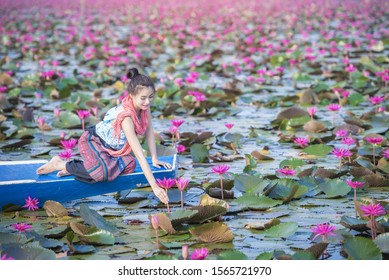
(292, 163)
(67, 120)
(93, 218)
(277, 60)
(181, 215)
(282, 230)
(319, 150)
(257, 202)
(232, 255)
(265, 256)
(298, 121)
(28, 252)
(360, 248)
(355, 98)
(98, 236)
(303, 255)
(199, 153)
(250, 183)
(11, 238)
(14, 92)
(335, 188)
(382, 242)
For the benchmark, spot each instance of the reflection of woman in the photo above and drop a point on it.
(105, 148)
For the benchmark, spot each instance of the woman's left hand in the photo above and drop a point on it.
(157, 163)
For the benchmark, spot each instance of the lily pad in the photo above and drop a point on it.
(318, 249)
(382, 242)
(67, 120)
(319, 150)
(232, 255)
(255, 202)
(180, 216)
(92, 235)
(207, 212)
(207, 200)
(213, 233)
(28, 252)
(250, 183)
(199, 153)
(55, 209)
(92, 218)
(335, 188)
(283, 230)
(360, 248)
(165, 223)
(353, 223)
(303, 255)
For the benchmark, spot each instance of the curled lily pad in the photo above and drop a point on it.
(259, 156)
(292, 112)
(207, 200)
(376, 180)
(353, 223)
(263, 225)
(213, 233)
(255, 202)
(93, 218)
(318, 249)
(165, 223)
(382, 242)
(314, 126)
(335, 188)
(360, 171)
(283, 230)
(383, 164)
(55, 209)
(92, 235)
(207, 212)
(180, 216)
(360, 248)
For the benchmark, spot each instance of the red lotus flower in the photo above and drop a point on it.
(31, 203)
(341, 133)
(155, 222)
(323, 230)
(83, 114)
(199, 254)
(177, 123)
(355, 184)
(185, 252)
(311, 111)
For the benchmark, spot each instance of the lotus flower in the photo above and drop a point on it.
(385, 153)
(31, 203)
(372, 211)
(355, 185)
(376, 100)
(229, 126)
(6, 258)
(182, 183)
(199, 254)
(286, 171)
(221, 169)
(41, 125)
(374, 141)
(323, 230)
(155, 224)
(311, 111)
(21, 227)
(177, 123)
(301, 141)
(185, 252)
(57, 112)
(166, 184)
(83, 114)
(348, 141)
(341, 133)
(180, 149)
(69, 144)
(333, 108)
(341, 153)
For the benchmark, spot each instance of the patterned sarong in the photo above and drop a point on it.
(100, 165)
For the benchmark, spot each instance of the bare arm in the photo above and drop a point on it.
(150, 140)
(129, 131)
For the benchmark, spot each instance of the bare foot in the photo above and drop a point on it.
(56, 163)
(63, 173)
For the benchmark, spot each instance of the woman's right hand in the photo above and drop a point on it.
(160, 193)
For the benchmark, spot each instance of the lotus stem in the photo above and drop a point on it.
(374, 154)
(83, 124)
(221, 186)
(355, 202)
(182, 200)
(156, 239)
(167, 204)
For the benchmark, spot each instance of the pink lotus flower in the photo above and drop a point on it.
(374, 100)
(374, 140)
(348, 141)
(182, 183)
(3, 89)
(177, 123)
(334, 107)
(372, 211)
(229, 125)
(41, 123)
(197, 95)
(350, 68)
(341, 133)
(199, 254)
(155, 225)
(355, 185)
(341, 153)
(385, 153)
(66, 155)
(83, 114)
(69, 144)
(323, 230)
(166, 184)
(286, 171)
(6, 258)
(221, 169)
(301, 141)
(21, 227)
(31, 203)
(57, 112)
(181, 149)
(311, 111)
(185, 252)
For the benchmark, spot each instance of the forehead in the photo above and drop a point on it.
(145, 91)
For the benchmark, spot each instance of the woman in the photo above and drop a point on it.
(105, 148)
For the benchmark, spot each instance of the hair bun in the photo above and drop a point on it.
(132, 73)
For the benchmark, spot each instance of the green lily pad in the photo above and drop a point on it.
(355, 99)
(11, 238)
(319, 150)
(303, 255)
(207, 212)
(44, 242)
(255, 202)
(265, 256)
(283, 230)
(213, 233)
(67, 120)
(250, 183)
(287, 189)
(232, 255)
(335, 188)
(199, 153)
(98, 237)
(360, 248)
(353, 223)
(28, 252)
(292, 163)
(93, 218)
(382, 242)
(180, 216)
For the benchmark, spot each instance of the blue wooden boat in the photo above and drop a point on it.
(18, 180)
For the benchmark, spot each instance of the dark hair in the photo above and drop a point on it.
(137, 81)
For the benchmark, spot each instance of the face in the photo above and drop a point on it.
(143, 99)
